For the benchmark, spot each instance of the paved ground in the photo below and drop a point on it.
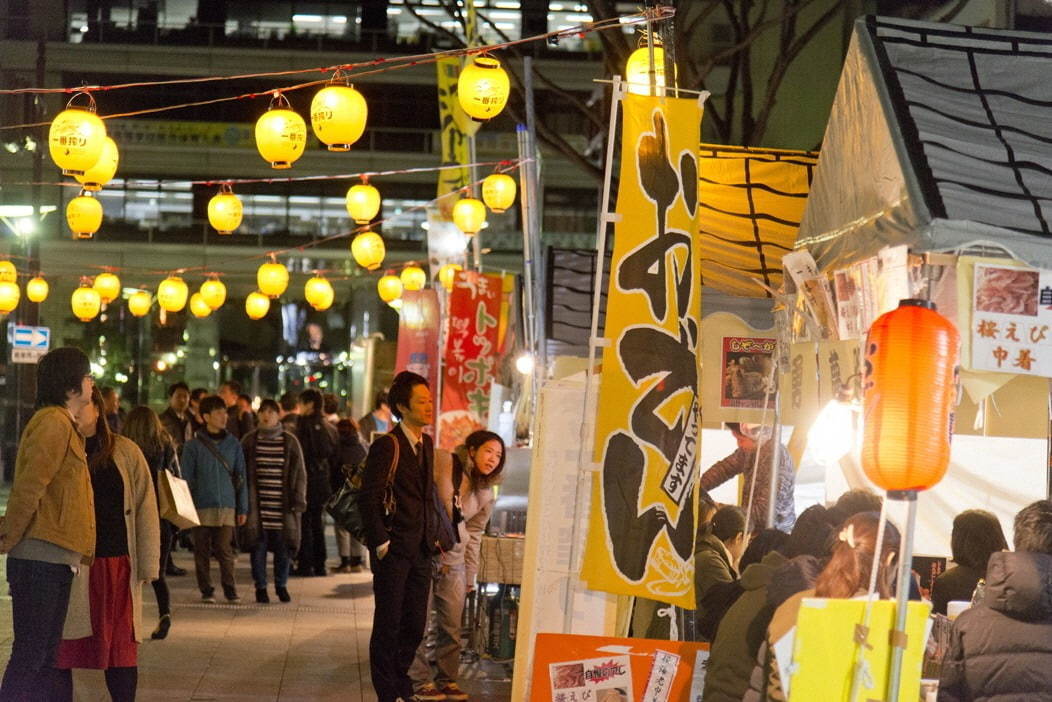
(313, 648)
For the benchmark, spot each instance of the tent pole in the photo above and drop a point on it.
(898, 637)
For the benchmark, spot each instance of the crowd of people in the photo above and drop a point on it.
(83, 532)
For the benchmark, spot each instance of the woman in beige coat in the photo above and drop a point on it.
(104, 620)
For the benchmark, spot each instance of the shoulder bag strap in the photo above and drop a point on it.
(210, 445)
(389, 498)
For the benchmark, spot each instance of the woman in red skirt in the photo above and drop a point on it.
(104, 620)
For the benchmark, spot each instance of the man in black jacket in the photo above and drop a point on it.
(398, 537)
(320, 445)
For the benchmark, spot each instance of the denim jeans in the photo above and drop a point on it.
(39, 599)
(270, 540)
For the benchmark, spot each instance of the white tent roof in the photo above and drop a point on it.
(939, 138)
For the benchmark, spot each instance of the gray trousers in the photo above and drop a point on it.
(441, 642)
(348, 546)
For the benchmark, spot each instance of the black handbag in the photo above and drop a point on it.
(444, 527)
(344, 506)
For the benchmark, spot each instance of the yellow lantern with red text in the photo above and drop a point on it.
(272, 279)
(413, 278)
(389, 287)
(37, 289)
(225, 210)
(483, 88)
(8, 272)
(84, 216)
(198, 307)
(319, 293)
(281, 134)
(337, 115)
(213, 292)
(139, 303)
(172, 294)
(108, 286)
(9, 296)
(85, 302)
(75, 138)
(469, 215)
(257, 305)
(498, 191)
(447, 273)
(363, 202)
(910, 391)
(368, 250)
(104, 169)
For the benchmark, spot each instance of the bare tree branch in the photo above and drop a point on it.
(952, 13)
(432, 25)
(746, 39)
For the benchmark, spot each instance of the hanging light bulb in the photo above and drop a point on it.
(483, 88)
(84, 215)
(225, 210)
(389, 287)
(104, 169)
(368, 250)
(8, 272)
(85, 301)
(281, 134)
(319, 293)
(363, 202)
(172, 294)
(198, 307)
(498, 192)
(337, 115)
(833, 432)
(108, 286)
(214, 293)
(257, 305)
(37, 289)
(469, 215)
(139, 303)
(75, 139)
(9, 295)
(272, 278)
(637, 70)
(447, 274)
(413, 278)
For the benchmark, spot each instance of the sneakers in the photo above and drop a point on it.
(208, 597)
(231, 594)
(283, 594)
(162, 627)
(429, 693)
(452, 691)
(261, 595)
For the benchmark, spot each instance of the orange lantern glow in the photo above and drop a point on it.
(9, 295)
(337, 115)
(389, 287)
(447, 273)
(257, 305)
(469, 215)
(84, 215)
(413, 278)
(281, 134)
(104, 169)
(225, 210)
(272, 278)
(8, 272)
(319, 293)
(909, 397)
(498, 191)
(198, 307)
(172, 294)
(213, 292)
(368, 250)
(85, 301)
(363, 202)
(483, 88)
(139, 303)
(75, 139)
(37, 289)
(108, 286)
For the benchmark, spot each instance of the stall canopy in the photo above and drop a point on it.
(939, 138)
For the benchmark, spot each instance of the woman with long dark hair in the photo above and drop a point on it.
(976, 535)
(143, 426)
(104, 620)
(464, 481)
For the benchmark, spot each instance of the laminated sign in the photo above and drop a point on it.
(1012, 320)
(642, 523)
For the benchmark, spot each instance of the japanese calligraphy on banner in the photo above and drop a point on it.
(642, 523)
(471, 349)
(1012, 320)
(418, 334)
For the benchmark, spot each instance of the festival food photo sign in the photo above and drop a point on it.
(1012, 320)
(642, 523)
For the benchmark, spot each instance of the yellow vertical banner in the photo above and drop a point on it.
(455, 130)
(648, 441)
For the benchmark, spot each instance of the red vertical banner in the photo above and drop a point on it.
(418, 334)
(471, 349)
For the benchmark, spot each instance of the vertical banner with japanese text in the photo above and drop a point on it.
(642, 524)
(418, 328)
(471, 349)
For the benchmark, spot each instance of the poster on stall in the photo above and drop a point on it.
(1011, 320)
(471, 350)
(747, 365)
(601, 679)
(737, 360)
(642, 522)
(418, 334)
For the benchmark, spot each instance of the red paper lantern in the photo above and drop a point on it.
(910, 391)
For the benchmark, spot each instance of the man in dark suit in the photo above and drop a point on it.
(399, 540)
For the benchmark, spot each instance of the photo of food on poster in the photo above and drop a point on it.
(606, 679)
(1012, 320)
(747, 364)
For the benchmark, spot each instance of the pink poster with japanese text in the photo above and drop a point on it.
(470, 355)
(418, 334)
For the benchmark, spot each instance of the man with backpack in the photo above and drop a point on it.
(318, 438)
(213, 465)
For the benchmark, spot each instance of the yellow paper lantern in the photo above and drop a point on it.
(75, 139)
(198, 307)
(9, 294)
(139, 303)
(8, 272)
(37, 289)
(104, 169)
(368, 250)
(498, 192)
(363, 202)
(272, 278)
(389, 287)
(85, 302)
(257, 305)
(172, 294)
(469, 215)
(84, 216)
(281, 134)
(224, 210)
(447, 273)
(213, 292)
(483, 88)
(337, 115)
(108, 286)
(413, 278)
(637, 70)
(319, 293)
